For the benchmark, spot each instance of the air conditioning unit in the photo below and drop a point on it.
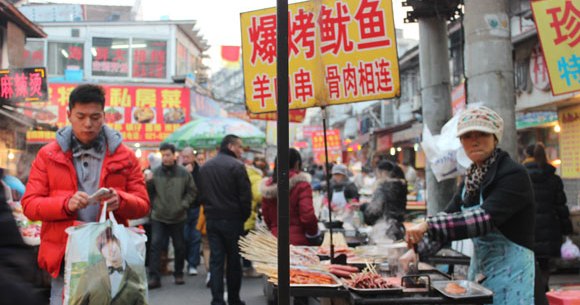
(417, 103)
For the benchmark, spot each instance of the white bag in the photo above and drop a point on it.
(444, 152)
(105, 264)
(569, 250)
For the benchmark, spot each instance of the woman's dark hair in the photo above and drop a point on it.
(538, 152)
(293, 158)
(393, 169)
(85, 94)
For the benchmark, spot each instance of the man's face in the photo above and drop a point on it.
(187, 157)
(167, 157)
(200, 159)
(86, 121)
(112, 254)
(237, 148)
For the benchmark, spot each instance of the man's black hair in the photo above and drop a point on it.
(167, 146)
(85, 94)
(229, 139)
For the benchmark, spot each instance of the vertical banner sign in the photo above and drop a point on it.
(333, 142)
(141, 114)
(558, 24)
(569, 119)
(23, 85)
(339, 51)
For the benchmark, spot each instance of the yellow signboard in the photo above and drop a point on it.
(569, 119)
(558, 25)
(339, 52)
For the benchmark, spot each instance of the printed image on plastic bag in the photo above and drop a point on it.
(104, 271)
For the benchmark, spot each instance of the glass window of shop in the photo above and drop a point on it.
(110, 57)
(182, 60)
(63, 56)
(34, 54)
(149, 58)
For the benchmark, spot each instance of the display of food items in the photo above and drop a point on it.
(370, 280)
(143, 115)
(303, 277)
(30, 230)
(344, 271)
(112, 115)
(174, 115)
(455, 288)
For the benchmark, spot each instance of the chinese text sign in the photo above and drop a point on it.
(339, 52)
(558, 24)
(570, 141)
(141, 114)
(23, 85)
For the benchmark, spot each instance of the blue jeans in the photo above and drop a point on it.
(223, 238)
(161, 233)
(192, 237)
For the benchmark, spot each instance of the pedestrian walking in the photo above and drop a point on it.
(227, 198)
(173, 192)
(85, 156)
(192, 234)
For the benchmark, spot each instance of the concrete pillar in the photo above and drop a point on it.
(489, 63)
(436, 98)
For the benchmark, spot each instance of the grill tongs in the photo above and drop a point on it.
(414, 282)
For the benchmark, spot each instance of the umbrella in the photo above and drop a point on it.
(209, 132)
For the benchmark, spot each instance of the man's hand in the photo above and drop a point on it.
(406, 259)
(78, 201)
(112, 201)
(415, 233)
(189, 167)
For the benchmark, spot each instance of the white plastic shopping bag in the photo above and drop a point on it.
(105, 264)
(569, 250)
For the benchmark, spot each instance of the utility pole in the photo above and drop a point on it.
(435, 82)
(489, 64)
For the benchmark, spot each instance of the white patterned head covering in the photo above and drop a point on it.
(482, 119)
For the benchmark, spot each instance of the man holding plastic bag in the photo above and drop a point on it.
(71, 177)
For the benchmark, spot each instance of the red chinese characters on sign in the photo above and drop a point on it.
(371, 22)
(23, 85)
(302, 31)
(109, 60)
(149, 63)
(263, 38)
(333, 30)
(566, 24)
(75, 52)
(332, 140)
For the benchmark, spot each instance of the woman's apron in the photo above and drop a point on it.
(508, 267)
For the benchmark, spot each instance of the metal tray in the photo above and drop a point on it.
(473, 290)
(337, 282)
(376, 291)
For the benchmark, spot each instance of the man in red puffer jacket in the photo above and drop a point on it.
(84, 157)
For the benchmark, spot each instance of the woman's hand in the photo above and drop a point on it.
(409, 257)
(414, 234)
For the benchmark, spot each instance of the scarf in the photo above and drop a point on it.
(98, 144)
(474, 179)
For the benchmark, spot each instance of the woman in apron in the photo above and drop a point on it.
(494, 207)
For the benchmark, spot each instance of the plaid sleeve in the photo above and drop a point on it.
(459, 225)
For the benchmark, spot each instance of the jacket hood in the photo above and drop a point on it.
(113, 138)
(270, 190)
(539, 173)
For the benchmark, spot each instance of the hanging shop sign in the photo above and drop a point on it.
(569, 119)
(141, 114)
(339, 52)
(23, 85)
(559, 31)
(333, 142)
(535, 119)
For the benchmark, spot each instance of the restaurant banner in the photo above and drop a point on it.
(569, 119)
(141, 114)
(23, 85)
(339, 52)
(334, 145)
(559, 31)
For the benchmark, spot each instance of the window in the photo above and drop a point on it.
(110, 57)
(63, 56)
(34, 54)
(149, 58)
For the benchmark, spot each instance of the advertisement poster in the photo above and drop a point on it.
(141, 114)
(569, 119)
(339, 52)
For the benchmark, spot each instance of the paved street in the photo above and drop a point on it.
(194, 292)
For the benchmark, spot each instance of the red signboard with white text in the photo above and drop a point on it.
(141, 114)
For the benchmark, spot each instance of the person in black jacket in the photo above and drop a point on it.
(227, 199)
(17, 261)
(552, 214)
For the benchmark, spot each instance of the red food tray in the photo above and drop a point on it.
(569, 297)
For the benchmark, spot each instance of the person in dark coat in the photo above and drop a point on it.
(303, 221)
(389, 200)
(552, 214)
